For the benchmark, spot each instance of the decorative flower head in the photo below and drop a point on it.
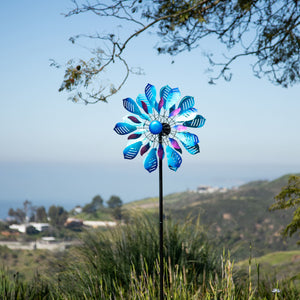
(158, 126)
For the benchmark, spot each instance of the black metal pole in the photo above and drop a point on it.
(161, 228)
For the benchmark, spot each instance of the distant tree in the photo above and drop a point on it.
(266, 30)
(89, 208)
(40, 214)
(58, 215)
(97, 203)
(114, 201)
(117, 213)
(289, 198)
(20, 214)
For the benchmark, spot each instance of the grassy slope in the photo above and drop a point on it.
(282, 264)
(25, 262)
(236, 218)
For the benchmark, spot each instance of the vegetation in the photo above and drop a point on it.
(123, 264)
(235, 218)
(282, 265)
(58, 215)
(266, 30)
(111, 257)
(96, 204)
(289, 198)
(26, 263)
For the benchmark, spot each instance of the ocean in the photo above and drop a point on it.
(71, 184)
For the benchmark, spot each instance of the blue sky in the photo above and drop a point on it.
(252, 126)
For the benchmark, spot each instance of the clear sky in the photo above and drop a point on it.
(53, 149)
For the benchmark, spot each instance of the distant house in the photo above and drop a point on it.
(48, 239)
(40, 226)
(78, 209)
(22, 227)
(19, 227)
(201, 189)
(71, 222)
(96, 224)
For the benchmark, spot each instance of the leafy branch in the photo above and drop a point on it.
(268, 30)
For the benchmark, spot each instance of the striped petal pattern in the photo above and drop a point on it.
(176, 120)
(150, 162)
(131, 151)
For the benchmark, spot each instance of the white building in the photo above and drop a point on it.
(96, 224)
(22, 227)
(206, 189)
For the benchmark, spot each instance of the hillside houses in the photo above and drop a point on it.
(22, 227)
(206, 189)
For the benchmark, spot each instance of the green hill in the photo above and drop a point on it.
(280, 265)
(235, 219)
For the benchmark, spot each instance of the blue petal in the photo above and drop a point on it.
(150, 92)
(187, 138)
(164, 92)
(150, 162)
(124, 128)
(186, 115)
(131, 106)
(192, 149)
(174, 159)
(173, 98)
(172, 108)
(141, 98)
(197, 122)
(131, 151)
(186, 103)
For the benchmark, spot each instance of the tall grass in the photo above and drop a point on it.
(123, 263)
(12, 287)
(113, 257)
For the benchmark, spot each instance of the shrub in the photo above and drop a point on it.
(107, 260)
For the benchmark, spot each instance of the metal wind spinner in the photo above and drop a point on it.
(158, 127)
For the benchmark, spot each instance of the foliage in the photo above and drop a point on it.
(58, 215)
(282, 265)
(11, 287)
(123, 264)
(234, 218)
(40, 214)
(268, 30)
(97, 203)
(20, 214)
(110, 257)
(289, 197)
(32, 213)
(114, 201)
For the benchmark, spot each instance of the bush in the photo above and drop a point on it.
(112, 257)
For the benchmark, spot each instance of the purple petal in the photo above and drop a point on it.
(175, 145)
(145, 149)
(134, 136)
(160, 151)
(180, 128)
(175, 112)
(161, 104)
(145, 107)
(134, 119)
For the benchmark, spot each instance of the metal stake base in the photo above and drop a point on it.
(161, 232)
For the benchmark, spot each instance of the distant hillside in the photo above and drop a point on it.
(235, 218)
